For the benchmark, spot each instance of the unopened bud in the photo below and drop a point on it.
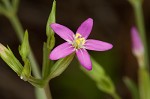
(7, 55)
(137, 46)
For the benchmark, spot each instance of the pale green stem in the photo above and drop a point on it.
(41, 93)
(137, 5)
(48, 92)
(19, 30)
(141, 27)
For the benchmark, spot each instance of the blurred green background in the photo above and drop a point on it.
(112, 22)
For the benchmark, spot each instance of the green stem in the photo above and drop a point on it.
(19, 30)
(140, 24)
(143, 68)
(17, 26)
(48, 92)
(41, 93)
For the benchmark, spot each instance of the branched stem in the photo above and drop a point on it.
(41, 93)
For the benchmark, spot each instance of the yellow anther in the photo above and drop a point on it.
(77, 36)
(78, 41)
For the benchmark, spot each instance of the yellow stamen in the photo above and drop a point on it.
(79, 41)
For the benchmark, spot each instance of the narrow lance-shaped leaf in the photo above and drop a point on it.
(49, 44)
(59, 67)
(24, 49)
(102, 80)
(51, 19)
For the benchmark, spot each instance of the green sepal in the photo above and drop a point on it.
(24, 49)
(51, 19)
(102, 80)
(26, 72)
(7, 55)
(60, 66)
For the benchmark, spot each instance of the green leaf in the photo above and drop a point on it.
(48, 46)
(59, 67)
(24, 49)
(51, 19)
(7, 55)
(26, 72)
(132, 87)
(97, 71)
(103, 82)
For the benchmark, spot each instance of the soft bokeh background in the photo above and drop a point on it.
(112, 22)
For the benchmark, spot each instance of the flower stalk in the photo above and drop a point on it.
(143, 59)
(137, 6)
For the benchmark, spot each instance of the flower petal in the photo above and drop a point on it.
(97, 45)
(64, 32)
(84, 58)
(61, 51)
(85, 28)
(137, 46)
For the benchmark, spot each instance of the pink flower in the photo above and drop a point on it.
(77, 43)
(137, 46)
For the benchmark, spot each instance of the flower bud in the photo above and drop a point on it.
(137, 46)
(7, 55)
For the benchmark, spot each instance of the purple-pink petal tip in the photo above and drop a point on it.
(64, 32)
(85, 28)
(137, 45)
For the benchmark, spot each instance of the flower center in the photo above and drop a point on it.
(79, 41)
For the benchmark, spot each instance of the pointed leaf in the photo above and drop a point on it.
(47, 63)
(59, 67)
(51, 19)
(24, 49)
(102, 80)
